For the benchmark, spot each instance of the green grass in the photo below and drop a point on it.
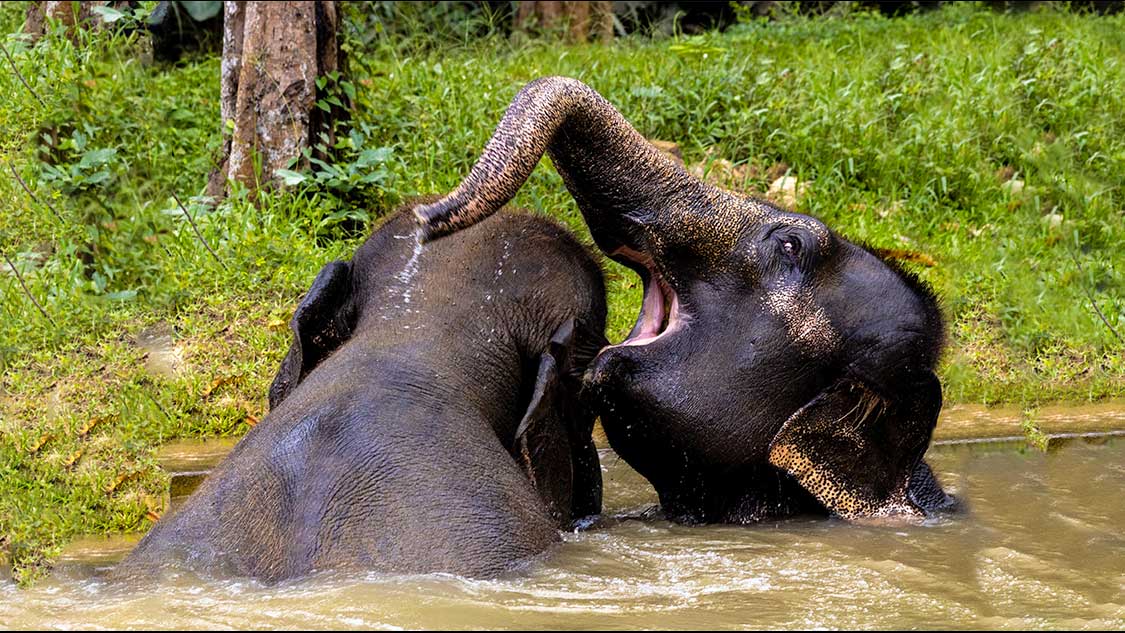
(900, 127)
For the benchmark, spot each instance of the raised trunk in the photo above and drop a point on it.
(273, 53)
(613, 173)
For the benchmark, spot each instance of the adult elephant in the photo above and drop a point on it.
(424, 420)
(775, 367)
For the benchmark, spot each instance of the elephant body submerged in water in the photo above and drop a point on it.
(775, 367)
(424, 420)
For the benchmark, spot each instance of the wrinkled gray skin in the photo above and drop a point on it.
(424, 420)
(775, 368)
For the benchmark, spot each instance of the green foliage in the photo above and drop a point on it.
(78, 167)
(422, 26)
(133, 17)
(356, 169)
(349, 166)
(904, 129)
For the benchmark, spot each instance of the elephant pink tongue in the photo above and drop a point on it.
(651, 320)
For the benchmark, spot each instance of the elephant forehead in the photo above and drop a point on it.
(806, 322)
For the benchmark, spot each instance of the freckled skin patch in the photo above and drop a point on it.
(777, 312)
(836, 492)
(807, 324)
(821, 483)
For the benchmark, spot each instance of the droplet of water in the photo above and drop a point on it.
(406, 276)
(411, 269)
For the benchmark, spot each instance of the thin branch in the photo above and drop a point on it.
(196, 229)
(27, 291)
(32, 195)
(1089, 296)
(16, 70)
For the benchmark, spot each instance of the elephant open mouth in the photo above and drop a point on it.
(661, 312)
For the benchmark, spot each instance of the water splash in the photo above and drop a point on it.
(411, 269)
(404, 288)
(507, 252)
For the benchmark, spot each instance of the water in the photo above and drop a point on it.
(406, 277)
(1040, 547)
(162, 357)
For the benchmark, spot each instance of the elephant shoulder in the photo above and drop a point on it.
(562, 259)
(550, 237)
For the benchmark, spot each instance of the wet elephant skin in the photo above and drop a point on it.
(425, 419)
(775, 368)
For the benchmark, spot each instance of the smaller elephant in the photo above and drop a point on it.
(424, 420)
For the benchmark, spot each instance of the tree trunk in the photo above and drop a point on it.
(571, 19)
(603, 21)
(71, 14)
(273, 53)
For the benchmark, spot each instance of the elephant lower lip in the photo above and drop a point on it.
(660, 310)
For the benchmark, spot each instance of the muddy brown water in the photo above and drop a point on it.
(1040, 546)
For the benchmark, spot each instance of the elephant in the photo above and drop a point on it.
(425, 419)
(775, 367)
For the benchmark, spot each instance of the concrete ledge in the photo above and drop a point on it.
(980, 422)
(960, 428)
(967, 429)
(1055, 442)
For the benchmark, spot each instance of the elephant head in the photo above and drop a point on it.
(775, 367)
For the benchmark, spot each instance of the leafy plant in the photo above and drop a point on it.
(77, 166)
(344, 162)
(365, 169)
(129, 17)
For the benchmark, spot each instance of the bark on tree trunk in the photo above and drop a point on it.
(71, 14)
(603, 21)
(36, 19)
(273, 53)
(572, 19)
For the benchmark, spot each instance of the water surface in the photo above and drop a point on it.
(1040, 546)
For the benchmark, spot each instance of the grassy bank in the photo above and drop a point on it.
(993, 144)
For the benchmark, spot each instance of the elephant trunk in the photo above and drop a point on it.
(617, 177)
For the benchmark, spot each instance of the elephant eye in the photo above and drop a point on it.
(791, 246)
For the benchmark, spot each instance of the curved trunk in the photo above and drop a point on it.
(613, 173)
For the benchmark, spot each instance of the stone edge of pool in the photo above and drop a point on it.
(960, 428)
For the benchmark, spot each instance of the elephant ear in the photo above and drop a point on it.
(860, 454)
(322, 322)
(553, 441)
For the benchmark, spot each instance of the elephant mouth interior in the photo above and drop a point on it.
(660, 310)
